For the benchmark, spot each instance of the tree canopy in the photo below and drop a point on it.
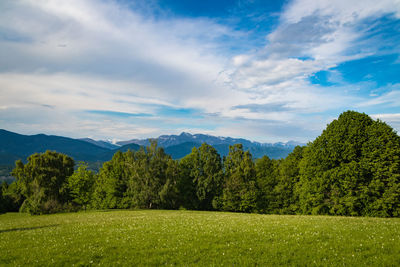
(42, 181)
(352, 169)
(240, 191)
(203, 170)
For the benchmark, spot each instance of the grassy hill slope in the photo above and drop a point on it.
(154, 237)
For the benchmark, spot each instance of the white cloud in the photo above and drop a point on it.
(343, 11)
(103, 38)
(103, 51)
(389, 99)
(73, 93)
(389, 116)
(393, 119)
(62, 58)
(312, 36)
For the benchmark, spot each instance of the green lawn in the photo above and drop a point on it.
(155, 237)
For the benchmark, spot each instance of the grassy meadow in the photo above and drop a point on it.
(156, 237)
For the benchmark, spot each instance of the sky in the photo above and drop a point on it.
(263, 70)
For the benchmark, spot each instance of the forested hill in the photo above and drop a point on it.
(15, 146)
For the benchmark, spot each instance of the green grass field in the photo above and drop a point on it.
(155, 237)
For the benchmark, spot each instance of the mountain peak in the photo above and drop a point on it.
(185, 134)
(172, 140)
(100, 143)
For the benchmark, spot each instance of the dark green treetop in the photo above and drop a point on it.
(204, 171)
(352, 168)
(240, 190)
(42, 181)
(81, 185)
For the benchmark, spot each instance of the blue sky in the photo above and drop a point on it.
(263, 70)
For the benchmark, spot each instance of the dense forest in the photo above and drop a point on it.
(352, 169)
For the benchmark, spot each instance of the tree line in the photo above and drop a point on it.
(352, 169)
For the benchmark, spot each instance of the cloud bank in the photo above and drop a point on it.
(106, 70)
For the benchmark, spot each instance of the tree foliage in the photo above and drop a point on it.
(148, 180)
(203, 171)
(10, 197)
(240, 190)
(112, 182)
(42, 181)
(267, 177)
(81, 185)
(353, 168)
(3, 200)
(142, 179)
(285, 191)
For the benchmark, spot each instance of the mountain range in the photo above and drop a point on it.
(15, 146)
(171, 140)
(180, 145)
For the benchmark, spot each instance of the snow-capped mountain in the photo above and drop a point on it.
(180, 145)
(172, 140)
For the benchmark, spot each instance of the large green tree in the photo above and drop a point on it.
(288, 176)
(267, 179)
(42, 181)
(112, 182)
(240, 189)
(203, 172)
(169, 193)
(143, 179)
(352, 168)
(148, 178)
(81, 185)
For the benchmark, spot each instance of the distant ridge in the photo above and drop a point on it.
(180, 145)
(170, 140)
(100, 143)
(14, 146)
(17, 146)
(181, 150)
